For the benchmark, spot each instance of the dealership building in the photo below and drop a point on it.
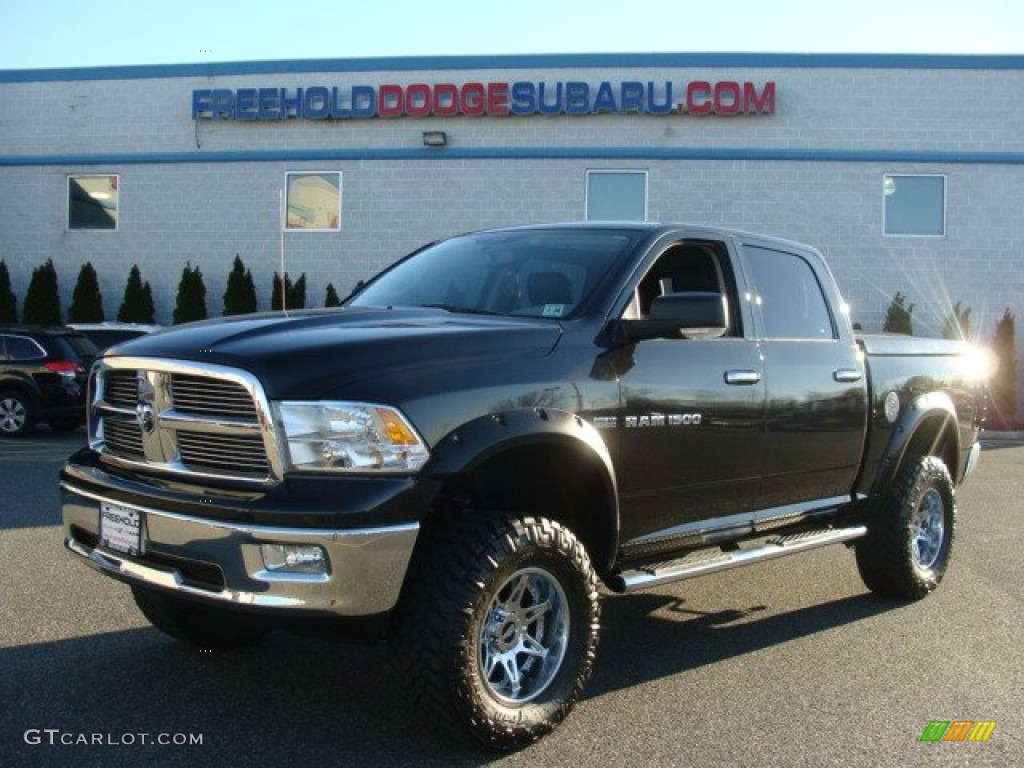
(906, 171)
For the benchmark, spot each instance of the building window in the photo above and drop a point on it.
(313, 201)
(92, 202)
(914, 205)
(616, 195)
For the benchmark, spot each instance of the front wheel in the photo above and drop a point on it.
(910, 536)
(496, 631)
(196, 623)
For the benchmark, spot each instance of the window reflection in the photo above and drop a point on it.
(313, 201)
(915, 205)
(92, 202)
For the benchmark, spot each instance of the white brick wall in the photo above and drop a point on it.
(393, 206)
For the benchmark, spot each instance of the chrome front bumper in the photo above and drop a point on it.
(222, 562)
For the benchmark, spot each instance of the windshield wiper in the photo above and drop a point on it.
(459, 310)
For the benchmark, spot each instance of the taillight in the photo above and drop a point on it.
(64, 367)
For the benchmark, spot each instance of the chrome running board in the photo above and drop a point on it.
(712, 560)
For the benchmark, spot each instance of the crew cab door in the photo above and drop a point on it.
(816, 407)
(690, 427)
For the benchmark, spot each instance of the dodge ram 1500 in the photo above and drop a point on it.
(497, 424)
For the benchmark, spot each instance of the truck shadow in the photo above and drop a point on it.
(640, 646)
(292, 698)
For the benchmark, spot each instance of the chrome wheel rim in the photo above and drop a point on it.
(523, 636)
(12, 415)
(929, 529)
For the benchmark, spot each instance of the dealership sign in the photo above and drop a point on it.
(478, 99)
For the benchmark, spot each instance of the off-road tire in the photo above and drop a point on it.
(910, 532)
(486, 593)
(201, 625)
(17, 417)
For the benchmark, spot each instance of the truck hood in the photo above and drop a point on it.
(311, 353)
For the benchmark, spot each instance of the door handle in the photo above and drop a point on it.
(846, 375)
(742, 378)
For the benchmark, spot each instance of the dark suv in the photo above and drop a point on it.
(43, 372)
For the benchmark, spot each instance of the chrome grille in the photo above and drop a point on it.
(184, 419)
(222, 453)
(211, 397)
(123, 438)
(121, 389)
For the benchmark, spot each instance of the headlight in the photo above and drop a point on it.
(350, 437)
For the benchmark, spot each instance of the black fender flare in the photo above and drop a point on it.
(928, 418)
(476, 442)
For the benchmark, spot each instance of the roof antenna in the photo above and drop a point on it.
(284, 275)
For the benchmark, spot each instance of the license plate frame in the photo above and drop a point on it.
(121, 529)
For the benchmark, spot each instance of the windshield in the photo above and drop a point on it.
(530, 273)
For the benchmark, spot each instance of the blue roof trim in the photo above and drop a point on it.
(526, 153)
(525, 61)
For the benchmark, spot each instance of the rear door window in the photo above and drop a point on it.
(789, 296)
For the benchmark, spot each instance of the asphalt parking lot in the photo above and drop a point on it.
(790, 663)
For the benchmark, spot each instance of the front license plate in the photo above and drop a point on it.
(121, 529)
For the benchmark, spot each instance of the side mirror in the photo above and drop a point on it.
(697, 315)
(690, 315)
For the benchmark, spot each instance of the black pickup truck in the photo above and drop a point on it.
(497, 425)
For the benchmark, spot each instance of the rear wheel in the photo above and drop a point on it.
(910, 537)
(16, 415)
(496, 630)
(196, 623)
